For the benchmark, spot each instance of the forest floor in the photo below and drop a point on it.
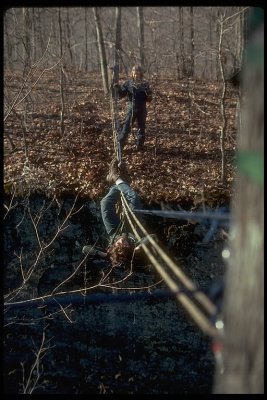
(130, 348)
(182, 160)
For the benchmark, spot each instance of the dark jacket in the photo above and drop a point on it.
(137, 93)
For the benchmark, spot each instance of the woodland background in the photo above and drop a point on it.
(59, 64)
(57, 74)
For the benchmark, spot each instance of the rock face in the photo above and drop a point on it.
(146, 345)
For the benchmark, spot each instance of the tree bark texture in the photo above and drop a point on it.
(243, 342)
(61, 79)
(192, 44)
(222, 103)
(117, 43)
(141, 37)
(102, 52)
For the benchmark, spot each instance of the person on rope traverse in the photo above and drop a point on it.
(138, 93)
(121, 244)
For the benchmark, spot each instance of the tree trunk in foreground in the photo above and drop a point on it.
(243, 343)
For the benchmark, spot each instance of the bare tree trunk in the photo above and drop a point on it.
(239, 43)
(69, 37)
(242, 39)
(211, 26)
(115, 78)
(181, 28)
(8, 47)
(192, 43)
(102, 52)
(218, 73)
(243, 308)
(86, 38)
(117, 43)
(41, 33)
(189, 88)
(34, 31)
(222, 103)
(61, 85)
(141, 39)
(27, 43)
(155, 100)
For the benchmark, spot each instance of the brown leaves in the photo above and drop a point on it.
(182, 154)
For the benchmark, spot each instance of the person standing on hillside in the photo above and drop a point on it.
(138, 93)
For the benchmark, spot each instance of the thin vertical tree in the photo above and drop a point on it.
(114, 77)
(117, 46)
(42, 39)
(61, 77)
(34, 34)
(141, 38)
(192, 43)
(211, 28)
(27, 39)
(223, 99)
(86, 38)
(68, 40)
(242, 353)
(181, 30)
(101, 50)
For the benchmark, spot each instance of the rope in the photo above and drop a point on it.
(133, 107)
(199, 317)
(187, 215)
(114, 114)
(208, 305)
(95, 298)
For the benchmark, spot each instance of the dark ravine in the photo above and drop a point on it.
(146, 346)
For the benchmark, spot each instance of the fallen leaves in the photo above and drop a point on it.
(182, 152)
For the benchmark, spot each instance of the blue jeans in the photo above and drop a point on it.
(108, 206)
(132, 115)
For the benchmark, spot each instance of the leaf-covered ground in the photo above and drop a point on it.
(181, 162)
(154, 349)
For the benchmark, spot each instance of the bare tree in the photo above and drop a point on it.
(68, 39)
(211, 44)
(101, 49)
(27, 40)
(114, 78)
(61, 86)
(243, 341)
(222, 103)
(192, 44)
(42, 40)
(224, 24)
(193, 23)
(141, 38)
(117, 43)
(86, 38)
(181, 40)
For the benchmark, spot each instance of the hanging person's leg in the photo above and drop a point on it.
(110, 219)
(108, 211)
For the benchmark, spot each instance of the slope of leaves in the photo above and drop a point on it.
(181, 162)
